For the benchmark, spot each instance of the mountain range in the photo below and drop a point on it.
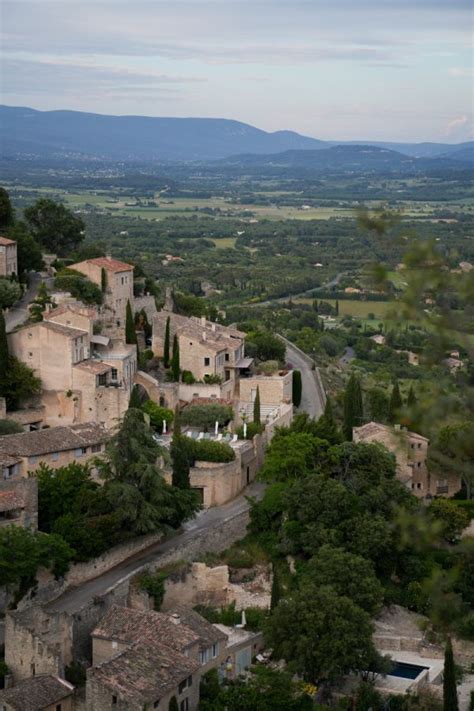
(26, 132)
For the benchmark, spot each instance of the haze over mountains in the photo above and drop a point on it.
(28, 132)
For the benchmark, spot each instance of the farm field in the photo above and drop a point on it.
(357, 309)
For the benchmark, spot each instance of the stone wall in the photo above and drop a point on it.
(148, 304)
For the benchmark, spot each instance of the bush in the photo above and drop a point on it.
(268, 367)
(212, 451)
(213, 379)
(154, 585)
(79, 286)
(187, 377)
(10, 427)
(157, 414)
(253, 428)
(205, 416)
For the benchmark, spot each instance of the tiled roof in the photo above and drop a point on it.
(208, 633)
(36, 693)
(52, 439)
(68, 331)
(107, 263)
(4, 241)
(74, 307)
(372, 429)
(126, 625)
(217, 337)
(144, 673)
(9, 501)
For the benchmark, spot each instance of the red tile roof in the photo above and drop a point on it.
(110, 265)
(5, 241)
(9, 501)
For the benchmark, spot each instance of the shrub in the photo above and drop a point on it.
(157, 414)
(253, 428)
(154, 585)
(212, 451)
(10, 427)
(188, 378)
(213, 379)
(268, 367)
(205, 416)
(79, 286)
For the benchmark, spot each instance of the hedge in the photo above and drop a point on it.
(213, 451)
(205, 416)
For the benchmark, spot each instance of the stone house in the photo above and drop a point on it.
(118, 288)
(85, 377)
(39, 693)
(8, 257)
(411, 454)
(148, 657)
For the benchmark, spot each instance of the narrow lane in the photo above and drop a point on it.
(311, 400)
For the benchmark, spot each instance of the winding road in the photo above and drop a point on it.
(312, 398)
(19, 312)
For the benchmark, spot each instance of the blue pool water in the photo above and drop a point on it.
(405, 670)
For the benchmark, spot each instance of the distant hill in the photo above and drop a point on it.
(348, 158)
(74, 134)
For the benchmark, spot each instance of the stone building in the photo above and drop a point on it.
(411, 454)
(8, 257)
(53, 446)
(85, 377)
(117, 278)
(39, 693)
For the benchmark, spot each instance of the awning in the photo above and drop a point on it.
(100, 340)
(244, 363)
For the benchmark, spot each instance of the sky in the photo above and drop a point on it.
(398, 70)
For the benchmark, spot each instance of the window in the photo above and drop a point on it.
(58, 707)
(96, 448)
(123, 280)
(184, 705)
(114, 374)
(182, 687)
(114, 700)
(207, 361)
(418, 486)
(80, 451)
(419, 445)
(102, 379)
(215, 647)
(32, 460)
(227, 357)
(55, 456)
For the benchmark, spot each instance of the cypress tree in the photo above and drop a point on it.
(276, 590)
(353, 410)
(103, 280)
(181, 455)
(411, 400)
(337, 307)
(327, 427)
(173, 704)
(135, 398)
(256, 407)
(166, 347)
(175, 367)
(396, 403)
(297, 388)
(130, 333)
(450, 694)
(4, 355)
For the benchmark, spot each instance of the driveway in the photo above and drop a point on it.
(311, 399)
(19, 312)
(76, 598)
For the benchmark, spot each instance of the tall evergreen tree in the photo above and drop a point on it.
(276, 589)
(412, 399)
(103, 280)
(396, 403)
(353, 409)
(337, 307)
(4, 355)
(326, 427)
(175, 365)
(166, 347)
(297, 388)
(181, 455)
(450, 694)
(136, 399)
(256, 407)
(130, 333)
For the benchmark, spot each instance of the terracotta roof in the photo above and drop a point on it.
(52, 439)
(36, 693)
(93, 366)
(75, 307)
(9, 501)
(372, 429)
(144, 673)
(68, 331)
(126, 625)
(107, 263)
(208, 633)
(5, 241)
(217, 337)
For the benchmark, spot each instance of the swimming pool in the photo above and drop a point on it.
(406, 670)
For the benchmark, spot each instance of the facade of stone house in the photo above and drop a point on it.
(8, 257)
(118, 288)
(39, 693)
(411, 454)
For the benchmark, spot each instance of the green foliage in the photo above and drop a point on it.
(292, 456)
(17, 382)
(353, 410)
(297, 388)
(153, 583)
(182, 455)
(253, 428)
(187, 377)
(367, 697)
(166, 347)
(453, 450)
(265, 346)
(54, 226)
(10, 291)
(377, 405)
(10, 427)
(157, 414)
(453, 518)
(42, 300)
(212, 451)
(103, 280)
(450, 694)
(138, 398)
(130, 333)
(256, 407)
(75, 674)
(276, 588)
(29, 253)
(321, 634)
(79, 286)
(205, 416)
(396, 404)
(175, 365)
(4, 356)
(7, 214)
(173, 704)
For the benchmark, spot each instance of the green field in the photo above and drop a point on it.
(225, 242)
(358, 309)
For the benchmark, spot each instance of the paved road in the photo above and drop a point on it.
(76, 598)
(313, 292)
(348, 355)
(311, 401)
(20, 312)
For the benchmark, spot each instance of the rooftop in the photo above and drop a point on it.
(214, 335)
(144, 673)
(4, 241)
(107, 263)
(208, 633)
(68, 331)
(93, 366)
(51, 439)
(74, 307)
(36, 693)
(10, 501)
(371, 429)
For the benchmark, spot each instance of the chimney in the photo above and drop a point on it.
(108, 255)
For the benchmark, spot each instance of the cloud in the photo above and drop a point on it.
(465, 72)
(456, 125)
